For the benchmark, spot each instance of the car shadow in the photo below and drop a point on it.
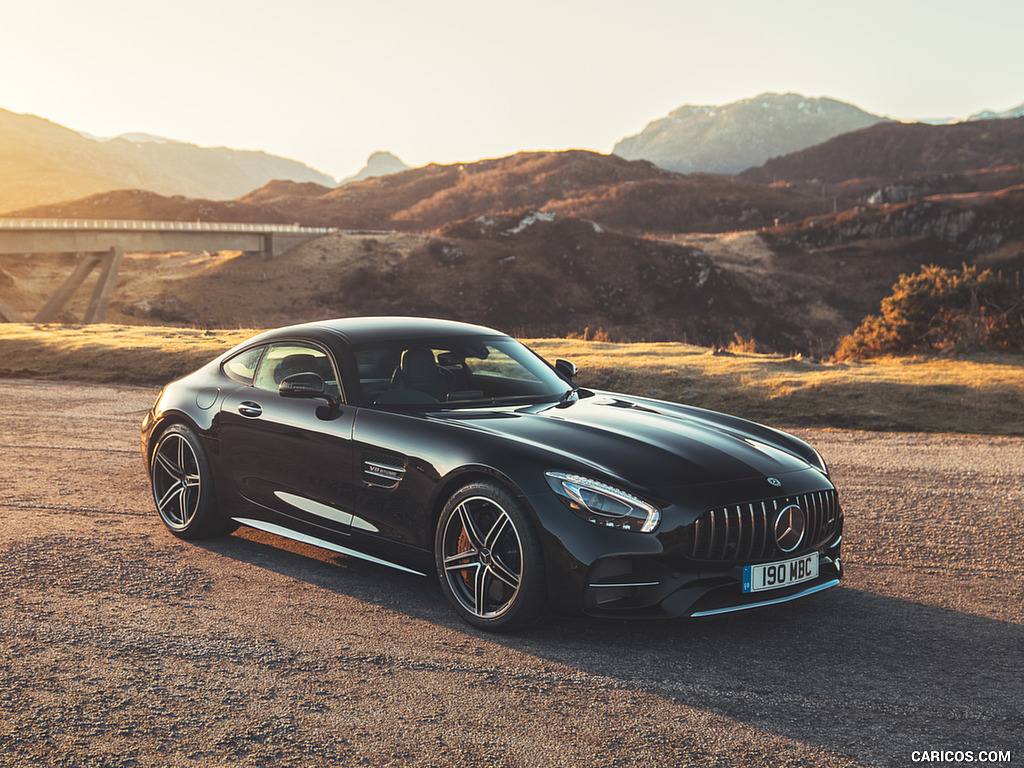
(863, 675)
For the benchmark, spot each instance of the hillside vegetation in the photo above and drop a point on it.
(941, 310)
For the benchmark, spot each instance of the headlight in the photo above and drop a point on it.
(603, 504)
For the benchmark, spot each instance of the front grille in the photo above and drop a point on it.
(746, 531)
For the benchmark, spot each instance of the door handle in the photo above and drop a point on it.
(250, 409)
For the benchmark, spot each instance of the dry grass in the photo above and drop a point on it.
(103, 353)
(984, 394)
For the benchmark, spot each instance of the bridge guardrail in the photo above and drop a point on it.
(127, 225)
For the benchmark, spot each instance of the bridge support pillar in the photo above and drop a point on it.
(100, 301)
(67, 290)
(104, 289)
(7, 313)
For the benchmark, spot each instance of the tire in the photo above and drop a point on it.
(182, 484)
(489, 559)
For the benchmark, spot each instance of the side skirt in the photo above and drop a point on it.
(279, 530)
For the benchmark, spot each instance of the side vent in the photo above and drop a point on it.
(383, 470)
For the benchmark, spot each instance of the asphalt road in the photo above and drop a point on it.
(123, 646)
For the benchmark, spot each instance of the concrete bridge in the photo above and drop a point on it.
(103, 243)
(94, 235)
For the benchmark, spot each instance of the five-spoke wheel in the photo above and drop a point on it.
(183, 485)
(488, 558)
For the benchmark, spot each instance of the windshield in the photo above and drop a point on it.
(456, 371)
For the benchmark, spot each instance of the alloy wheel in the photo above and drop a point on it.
(482, 557)
(177, 483)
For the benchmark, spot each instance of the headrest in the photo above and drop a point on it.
(418, 365)
(301, 363)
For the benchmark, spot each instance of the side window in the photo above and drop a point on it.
(285, 358)
(242, 367)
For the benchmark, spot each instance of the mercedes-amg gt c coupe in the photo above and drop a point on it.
(440, 447)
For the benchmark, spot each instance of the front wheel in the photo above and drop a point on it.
(183, 486)
(489, 559)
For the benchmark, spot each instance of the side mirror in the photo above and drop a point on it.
(566, 368)
(302, 385)
(311, 386)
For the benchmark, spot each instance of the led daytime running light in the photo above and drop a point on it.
(577, 489)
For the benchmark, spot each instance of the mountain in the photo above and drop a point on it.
(890, 151)
(1017, 111)
(634, 196)
(42, 162)
(143, 138)
(730, 138)
(378, 164)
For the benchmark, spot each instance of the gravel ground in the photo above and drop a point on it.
(123, 646)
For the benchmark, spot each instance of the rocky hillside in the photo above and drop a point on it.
(632, 196)
(45, 163)
(551, 275)
(533, 274)
(732, 137)
(969, 225)
(893, 150)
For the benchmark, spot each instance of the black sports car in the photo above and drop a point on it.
(436, 446)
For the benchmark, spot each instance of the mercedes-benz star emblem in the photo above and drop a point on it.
(775, 481)
(789, 528)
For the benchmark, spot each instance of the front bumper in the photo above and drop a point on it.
(620, 574)
(653, 588)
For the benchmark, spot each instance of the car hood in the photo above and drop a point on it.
(644, 442)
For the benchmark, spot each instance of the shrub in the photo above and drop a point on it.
(599, 335)
(939, 309)
(740, 345)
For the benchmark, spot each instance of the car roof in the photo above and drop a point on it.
(358, 330)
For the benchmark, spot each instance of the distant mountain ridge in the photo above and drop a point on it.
(634, 196)
(887, 162)
(45, 163)
(1017, 111)
(733, 137)
(378, 164)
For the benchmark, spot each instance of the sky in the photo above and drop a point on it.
(327, 82)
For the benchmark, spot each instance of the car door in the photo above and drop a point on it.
(282, 453)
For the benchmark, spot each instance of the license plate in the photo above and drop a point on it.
(759, 578)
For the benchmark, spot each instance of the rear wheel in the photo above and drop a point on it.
(489, 559)
(182, 485)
